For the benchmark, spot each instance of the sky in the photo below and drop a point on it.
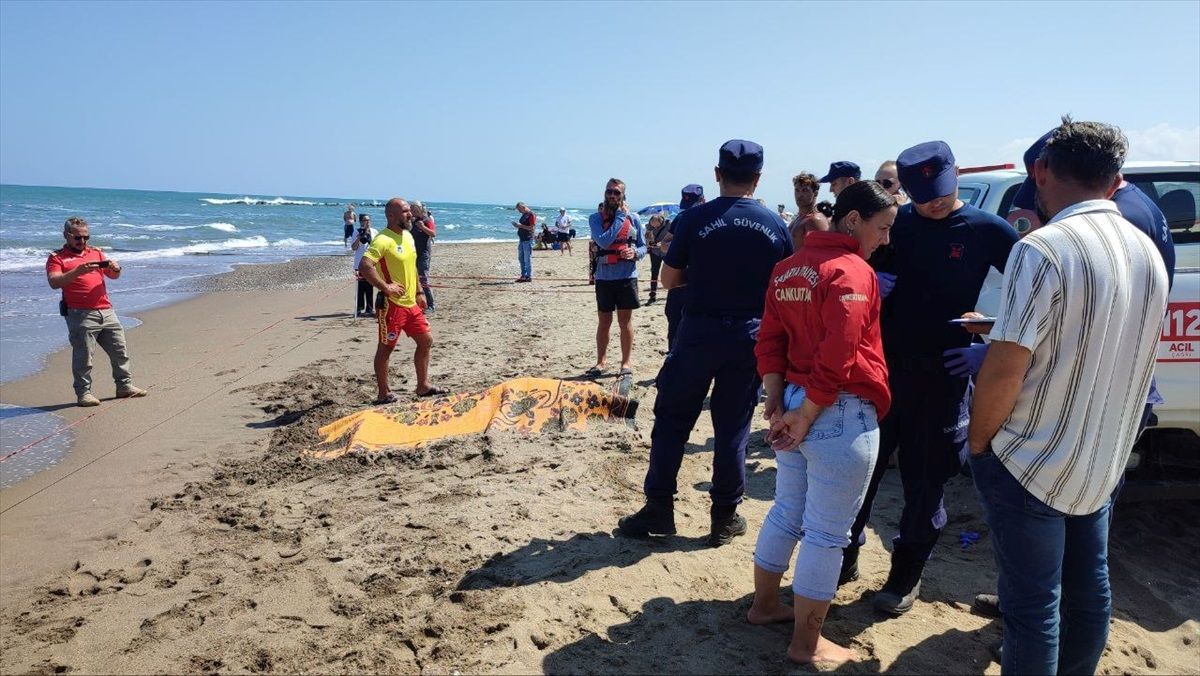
(543, 101)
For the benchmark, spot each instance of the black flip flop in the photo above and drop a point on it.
(389, 398)
(625, 372)
(593, 372)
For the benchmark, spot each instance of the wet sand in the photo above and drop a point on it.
(184, 532)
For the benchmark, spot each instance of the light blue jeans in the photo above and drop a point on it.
(819, 488)
(525, 258)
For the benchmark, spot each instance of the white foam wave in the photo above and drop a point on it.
(290, 241)
(164, 227)
(451, 226)
(22, 258)
(262, 201)
(255, 242)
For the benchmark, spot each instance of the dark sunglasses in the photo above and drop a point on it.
(81, 237)
(612, 191)
(887, 183)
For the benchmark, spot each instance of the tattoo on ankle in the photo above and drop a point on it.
(815, 621)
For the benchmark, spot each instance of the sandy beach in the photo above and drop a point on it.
(185, 532)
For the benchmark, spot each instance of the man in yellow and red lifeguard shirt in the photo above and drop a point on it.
(79, 271)
(390, 265)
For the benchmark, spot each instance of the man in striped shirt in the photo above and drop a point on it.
(1058, 401)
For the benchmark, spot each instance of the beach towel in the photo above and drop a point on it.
(523, 405)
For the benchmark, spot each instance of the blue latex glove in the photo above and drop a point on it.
(887, 282)
(965, 361)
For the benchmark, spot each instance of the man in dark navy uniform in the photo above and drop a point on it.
(940, 254)
(726, 248)
(841, 175)
(691, 195)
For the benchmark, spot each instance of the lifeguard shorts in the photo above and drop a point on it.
(394, 319)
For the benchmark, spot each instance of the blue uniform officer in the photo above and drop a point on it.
(726, 248)
(940, 254)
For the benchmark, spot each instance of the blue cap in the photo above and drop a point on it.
(841, 169)
(741, 155)
(1026, 197)
(690, 195)
(927, 171)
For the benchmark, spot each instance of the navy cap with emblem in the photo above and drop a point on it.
(741, 155)
(842, 169)
(927, 171)
(690, 195)
(1026, 197)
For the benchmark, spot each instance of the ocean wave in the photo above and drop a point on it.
(262, 201)
(163, 227)
(450, 226)
(22, 258)
(255, 242)
(291, 241)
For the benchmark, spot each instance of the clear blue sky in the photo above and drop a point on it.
(543, 101)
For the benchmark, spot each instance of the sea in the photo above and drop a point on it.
(162, 240)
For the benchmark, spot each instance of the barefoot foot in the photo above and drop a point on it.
(826, 652)
(779, 613)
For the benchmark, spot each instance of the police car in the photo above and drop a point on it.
(1175, 188)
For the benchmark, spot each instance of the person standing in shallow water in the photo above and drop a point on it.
(821, 360)
(348, 224)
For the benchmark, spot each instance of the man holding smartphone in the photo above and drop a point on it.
(79, 271)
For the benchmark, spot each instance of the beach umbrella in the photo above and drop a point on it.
(668, 209)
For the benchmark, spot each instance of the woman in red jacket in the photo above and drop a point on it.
(821, 360)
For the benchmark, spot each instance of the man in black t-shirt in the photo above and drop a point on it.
(525, 228)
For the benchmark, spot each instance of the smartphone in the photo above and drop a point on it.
(104, 264)
(974, 320)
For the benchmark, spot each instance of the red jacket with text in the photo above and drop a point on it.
(820, 325)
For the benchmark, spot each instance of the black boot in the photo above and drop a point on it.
(987, 605)
(849, 565)
(726, 525)
(657, 517)
(902, 586)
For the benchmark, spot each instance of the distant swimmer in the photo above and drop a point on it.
(348, 224)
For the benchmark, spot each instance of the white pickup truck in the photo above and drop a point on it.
(1173, 442)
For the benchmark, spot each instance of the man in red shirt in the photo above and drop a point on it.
(79, 271)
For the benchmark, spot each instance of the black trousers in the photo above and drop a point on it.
(365, 302)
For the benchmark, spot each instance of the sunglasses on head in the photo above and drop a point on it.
(612, 191)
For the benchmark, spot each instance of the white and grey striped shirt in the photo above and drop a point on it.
(1086, 295)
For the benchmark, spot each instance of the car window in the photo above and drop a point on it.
(969, 194)
(1178, 195)
(1006, 201)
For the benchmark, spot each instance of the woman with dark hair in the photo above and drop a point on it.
(821, 360)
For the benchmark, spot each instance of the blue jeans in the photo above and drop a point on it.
(525, 257)
(1053, 576)
(819, 487)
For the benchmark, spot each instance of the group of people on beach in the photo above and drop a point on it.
(857, 321)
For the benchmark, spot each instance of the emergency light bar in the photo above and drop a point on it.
(989, 167)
